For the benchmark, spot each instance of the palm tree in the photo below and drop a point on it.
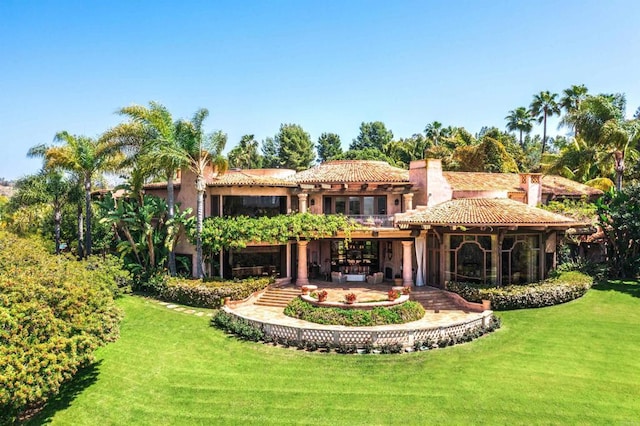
(245, 155)
(520, 120)
(622, 138)
(602, 124)
(544, 105)
(86, 158)
(151, 140)
(198, 150)
(582, 162)
(570, 102)
(435, 132)
(47, 187)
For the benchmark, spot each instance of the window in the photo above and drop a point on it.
(254, 206)
(470, 258)
(356, 205)
(520, 259)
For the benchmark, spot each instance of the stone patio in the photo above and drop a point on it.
(432, 320)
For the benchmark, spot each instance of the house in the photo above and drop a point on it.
(424, 225)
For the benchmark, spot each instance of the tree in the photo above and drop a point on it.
(581, 162)
(570, 102)
(149, 139)
(199, 150)
(371, 154)
(87, 158)
(619, 216)
(270, 157)
(245, 155)
(403, 151)
(435, 132)
(47, 187)
(602, 125)
(519, 120)
(544, 105)
(295, 148)
(372, 135)
(329, 147)
(488, 156)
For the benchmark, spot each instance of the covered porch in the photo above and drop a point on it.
(490, 241)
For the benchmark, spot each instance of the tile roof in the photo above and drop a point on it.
(558, 185)
(242, 178)
(343, 171)
(482, 211)
(551, 184)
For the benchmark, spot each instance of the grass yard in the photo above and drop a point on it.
(577, 363)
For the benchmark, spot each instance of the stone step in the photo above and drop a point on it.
(277, 297)
(435, 300)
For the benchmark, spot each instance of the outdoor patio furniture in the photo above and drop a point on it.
(375, 278)
(338, 277)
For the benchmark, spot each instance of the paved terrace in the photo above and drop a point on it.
(436, 323)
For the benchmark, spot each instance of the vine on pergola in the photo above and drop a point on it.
(224, 233)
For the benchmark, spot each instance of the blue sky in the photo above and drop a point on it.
(326, 65)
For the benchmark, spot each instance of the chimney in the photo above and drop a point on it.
(432, 188)
(532, 185)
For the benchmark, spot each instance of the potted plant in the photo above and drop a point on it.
(322, 295)
(393, 294)
(397, 280)
(304, 289)
(406, 291)
(350, 298)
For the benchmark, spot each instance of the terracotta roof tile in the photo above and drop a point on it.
(482, 211)
(242, 178)
(558, 185)
(551, 184)
(343, 171)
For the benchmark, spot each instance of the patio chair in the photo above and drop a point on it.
(375, 278)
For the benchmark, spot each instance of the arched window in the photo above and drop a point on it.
(520, 259)
(470, 258)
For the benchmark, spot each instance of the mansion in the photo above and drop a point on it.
(424, 226)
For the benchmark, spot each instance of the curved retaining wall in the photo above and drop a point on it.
(362, 337)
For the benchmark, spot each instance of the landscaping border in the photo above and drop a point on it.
(364, 337)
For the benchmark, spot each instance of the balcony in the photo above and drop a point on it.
(374, 220)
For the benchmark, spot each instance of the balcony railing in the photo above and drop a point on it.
(374, 220)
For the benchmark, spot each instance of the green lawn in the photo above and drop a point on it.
(577, 363)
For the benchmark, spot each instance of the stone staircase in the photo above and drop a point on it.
(277, 296)
(434, 300)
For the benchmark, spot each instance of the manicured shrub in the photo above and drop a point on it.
(54, 312)
(398, 314)
(210, 294)
(563, 288)
(237, 326)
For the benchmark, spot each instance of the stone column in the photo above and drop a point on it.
(407, 263)
(408, 201)
(303, 277)
(302, 202)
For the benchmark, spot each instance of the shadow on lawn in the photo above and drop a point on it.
(631, 288)
(68, 392)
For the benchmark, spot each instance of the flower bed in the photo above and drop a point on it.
(376, 315)
(565, 287)
(210, 294)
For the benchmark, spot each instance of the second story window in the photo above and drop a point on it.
(253, 206)
(356, 205)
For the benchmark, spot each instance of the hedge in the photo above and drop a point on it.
(210, 294)
(398, 314)
(565, 287)
(54, 312)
